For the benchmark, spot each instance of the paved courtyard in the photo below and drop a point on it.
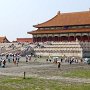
(43, 69)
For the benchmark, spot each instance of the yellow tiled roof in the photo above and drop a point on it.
(64, 19)
(58, 31)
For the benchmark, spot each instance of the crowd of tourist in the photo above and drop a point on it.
(66, 60)
(9, 58)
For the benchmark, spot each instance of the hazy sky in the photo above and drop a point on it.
(17, 17)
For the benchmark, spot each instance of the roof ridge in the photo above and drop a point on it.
(76, 12)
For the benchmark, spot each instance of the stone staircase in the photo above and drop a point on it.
(60, 49)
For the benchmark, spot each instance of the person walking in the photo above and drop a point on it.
(59, 64)
(3, 63)
(26, 58)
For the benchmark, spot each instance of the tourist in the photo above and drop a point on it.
(0, 63)
(71, 61)
(46, 59)
(29, 57)
(9, 57)
(17, 63)
(14, 62)
(18, 58)
(13, 57)
(3, 63)
(26, 58)
(59, 64)
(61, 60)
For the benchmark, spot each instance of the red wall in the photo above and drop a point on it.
(30, 40)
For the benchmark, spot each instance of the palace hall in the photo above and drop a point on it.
(64, 27)
(68, 33)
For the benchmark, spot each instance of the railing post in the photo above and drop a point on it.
(24, 75)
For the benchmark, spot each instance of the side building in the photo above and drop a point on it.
(4, 40)
(23, 40)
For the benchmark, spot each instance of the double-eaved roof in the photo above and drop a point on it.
(65, 19)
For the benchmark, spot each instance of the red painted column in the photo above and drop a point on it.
(59, 38)
(33, 39)
(88, 39)
(36, 39)
(68, 39)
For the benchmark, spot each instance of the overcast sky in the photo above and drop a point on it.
(17, 17)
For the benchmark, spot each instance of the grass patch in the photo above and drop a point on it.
(81, 73)
(17, 83)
